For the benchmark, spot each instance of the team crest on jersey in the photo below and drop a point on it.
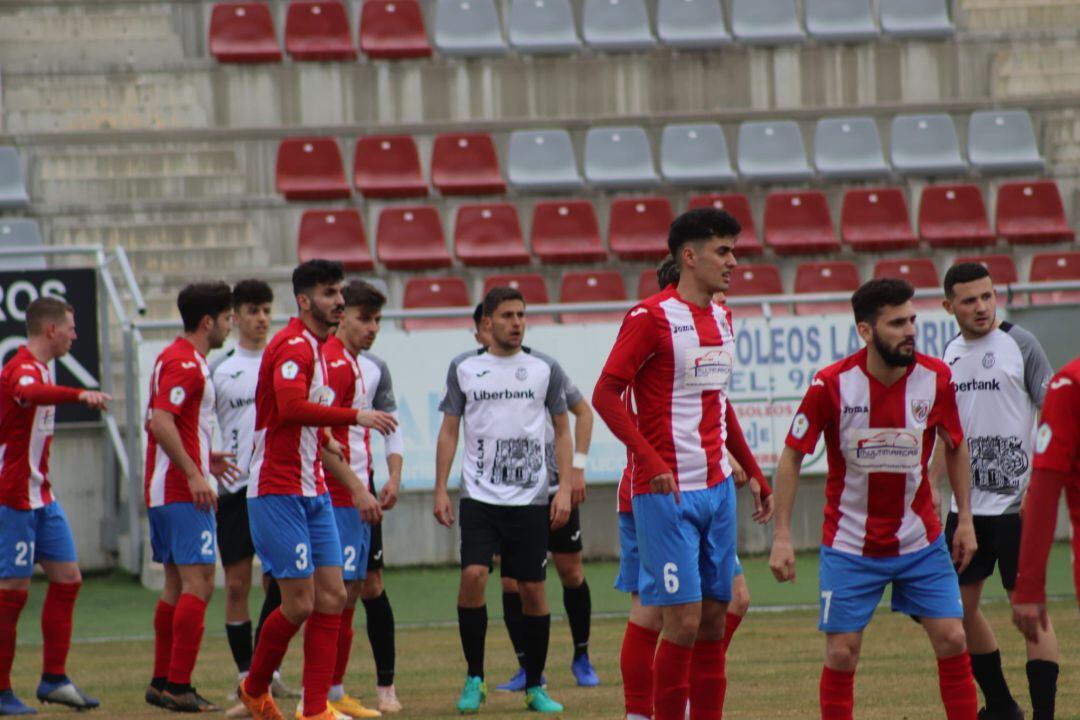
(522, 374)
(177, 396)
(26, 380)
(799, 426)
(1043, 437)
(988, 360)
(920, 410)
(290, 370)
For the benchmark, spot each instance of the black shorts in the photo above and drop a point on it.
(998, 537)
(519, 532)
(566, 539)
(233, 531)
(375, 554)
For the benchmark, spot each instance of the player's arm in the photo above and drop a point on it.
(739, 450)
(29, 390)
(362, 498)
(935, 474)
(583, 425)
(452, 407)
(394, 444)
(163, 427)
(562, 503)
(958, 465)
(785, 484)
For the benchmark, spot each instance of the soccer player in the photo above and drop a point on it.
(503, 393)
(181, 502)
(292, 522)
(1000, 374)
(33, 527)
(880, 410)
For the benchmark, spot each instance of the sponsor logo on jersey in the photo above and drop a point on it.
(188, 364)
(1060, 383)
(920, 410)
(676, 329)
(290, 370)
(855, 409)
(977, 385)
(295, 341)
(799, 426)
(238, 403)
(886, 450)
(177, 396)
(818, 382)
(639, 311)
(482, 373)
(508, 394)
(338, 363)
(954, 361)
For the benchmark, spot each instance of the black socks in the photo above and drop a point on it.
(239, 635)
(380, 632)
(578, 604)
(536, 631)
(472, 625)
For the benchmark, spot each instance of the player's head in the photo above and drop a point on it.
(483, 333)
(667, 272)
(702, 243)
(504, 318)
(253, 304)
(317, 287)
(970, 298)
(206, 308)
(885, 319)
(52, 322)
(363, 315)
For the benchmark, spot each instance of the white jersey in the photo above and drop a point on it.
(378, 395)
(1000, 382)
(573, 397)
(235, 377)
(505, 403)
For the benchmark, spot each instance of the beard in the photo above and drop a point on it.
(893, 356)
(325, 317)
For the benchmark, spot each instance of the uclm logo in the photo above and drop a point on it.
(888, 444)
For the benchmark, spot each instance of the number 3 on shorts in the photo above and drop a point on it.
(826, 599)
(671, 578)
(301, 556)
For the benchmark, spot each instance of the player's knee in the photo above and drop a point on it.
(740, 600)
(373, 585)
(237, 588)
(332, 600)
(682, 628)
(571, 574)
(950, 640)
(509, 585)
(842, 656)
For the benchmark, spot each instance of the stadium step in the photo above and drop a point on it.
(1020, 14)
(1035, 71)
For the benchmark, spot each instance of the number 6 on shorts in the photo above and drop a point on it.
(671, 579)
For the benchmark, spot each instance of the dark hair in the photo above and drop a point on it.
(698, 225)
(255, 292)
(198, 300)
(496, 296)
(363, 295)
(478, 315)
(872, 296)
(964, 273)
(667, 272)
(316, 272)
(43, 311)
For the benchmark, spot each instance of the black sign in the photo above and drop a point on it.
(82, 366)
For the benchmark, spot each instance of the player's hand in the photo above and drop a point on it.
(782, 560)
(561, 505)
(664, 484)
(577, 486)
(964, 544)
(738, 472)
(333, 447)
(1028, 618)
(763, 508)
(388, 496)
(223, 468)
(95, 400)
(202, 495)
(378, 420)
(444, 509)
(368, 505)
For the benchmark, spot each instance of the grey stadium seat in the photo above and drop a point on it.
(926, 145)
(468, 27)
(20, 233)
(619, 157)
(542, 160)
(916, 18)
(617, 25)
(695, 154)
(849, 147)
(1003, 141)
(691, 23)
(12, 187)
(840, 20)
(543, 26)
(765, 22)
(772, 152)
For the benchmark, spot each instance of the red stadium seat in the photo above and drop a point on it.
(920, 272)
(489, 235)
(388, 166)
(566, 231)
(318, 30)
(600, 286)
(1031, 212)
(532, 286)
(393, 30)
(436, 292)
(1055, 266)
(739, 207)
(876, 219)
(954, 216)
(411, 238)
(243, 33)
(798, 223)
(1002, 268)
(840, 276)
(647, 284)
(466, 164)
(310, 169)
(761, 279)
(638, 228)
(334, 235)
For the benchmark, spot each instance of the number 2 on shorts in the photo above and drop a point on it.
(350, 558)
(826, 596)
(671, 578)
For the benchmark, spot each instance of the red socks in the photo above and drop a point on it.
(837, 691)
(708, 683)
(163, 636)
(958, 687)
(187, 637)
(638, 650)
(671, 687)
(11, 605)
(277, 631)
(320, 651)
(731, 624)
(344, 646)
(56, 621)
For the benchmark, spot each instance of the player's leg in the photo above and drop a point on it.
(237, 553)
(566, 549)
(511, 603)
(480, 539)
(17, 539)
(836, 689)
(642, 628)
(739, 605)
(380, 627)
(189, 616)
(164, 615)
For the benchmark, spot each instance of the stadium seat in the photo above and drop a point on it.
(1002, 141)
(765, 22)
(543, 27)
(638, 228)
(647, 284)
(916, 18)
(532, 286)
(436, 292)
(21, 233)
(542, 161)
(1055, 266)
(1031, 211)
(310, 169)
(876, 219)
(926, 145)
(954, 216)
(840, 20)
(849, 148)
(840, 276)
(566, 231)
(318, 30)
(619, 157)
(757, 280)
(695, 154)
(468, 28)
(920, 272)
(411, 238)
(691, 24)
(393, 30)
(599, 286)
(617, 25)
(1002, 268)
(466, 164)
(739, 207)
(243, 33)
(489, 235)
(388, 166)
(772, 152)
(798, 223)
(334, 235)
(12, 186)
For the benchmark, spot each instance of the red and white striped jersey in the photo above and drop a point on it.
(879, 440)
(344, 379)
(180, 385)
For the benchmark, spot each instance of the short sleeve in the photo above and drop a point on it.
(453, 401)
(813, 416)
(1037, 368)
(556, 391)
(635, 343)
(384, 392)
(294, 366)
(946, 414)
(177, 382)
(573, 395)
(1057, 442)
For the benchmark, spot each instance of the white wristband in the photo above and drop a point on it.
(579, 461)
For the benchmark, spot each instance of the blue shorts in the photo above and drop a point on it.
(924, 584)
(355, 535)
(737, 571)
(30, 536)
(181, 534)
(294, 534)
(629, 558)
(687, 548)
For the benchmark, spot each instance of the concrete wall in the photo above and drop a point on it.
(77, 463)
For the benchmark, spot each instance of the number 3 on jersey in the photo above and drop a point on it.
(671, 578)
